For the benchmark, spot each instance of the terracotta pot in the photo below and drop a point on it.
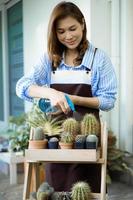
(38, 144)
(66, 145)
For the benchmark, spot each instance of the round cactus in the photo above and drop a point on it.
(71, 125)
(38, 134)
(67, 137)
(81, 191)
(90, 125)
(44, 191)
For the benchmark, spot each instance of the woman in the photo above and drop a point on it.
(73, 66)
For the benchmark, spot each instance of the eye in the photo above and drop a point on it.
(60, 31)
(72, 29)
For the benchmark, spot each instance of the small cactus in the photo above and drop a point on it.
(38, 134)
(44, 191)
(90, 125)
(80, 142)
(81, 191)
(67, 137)
(71, 125)
(80, 138)
(91, 142)
(53, 139)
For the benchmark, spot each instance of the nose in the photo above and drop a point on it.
(68, 35)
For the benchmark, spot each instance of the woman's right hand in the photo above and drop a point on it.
(58, 100)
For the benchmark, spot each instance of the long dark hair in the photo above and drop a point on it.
(55, 48)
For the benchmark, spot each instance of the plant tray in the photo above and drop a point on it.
(62, 155)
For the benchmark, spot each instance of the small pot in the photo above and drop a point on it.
(38, 144)
(79, 145)
(53, 145)
(66, 145)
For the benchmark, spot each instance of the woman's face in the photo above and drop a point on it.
(69, 32)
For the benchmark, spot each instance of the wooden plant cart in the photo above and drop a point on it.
(33, 157)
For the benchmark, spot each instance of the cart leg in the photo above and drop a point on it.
(27, 180)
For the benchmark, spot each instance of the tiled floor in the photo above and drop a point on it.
(116, 191)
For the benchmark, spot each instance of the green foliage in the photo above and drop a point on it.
(19, 133)
(37, 118)
(90, 125)
(81, 191)
(116, 158)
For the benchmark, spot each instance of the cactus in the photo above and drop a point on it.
(53, 139)
(44, 191)
(38, 134)
(81, 191)
(90, 125)
(80, 138)
(91, 142)
(67, 137)
(80, 142)
(71, 125)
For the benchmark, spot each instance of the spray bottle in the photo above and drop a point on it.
(45, 105)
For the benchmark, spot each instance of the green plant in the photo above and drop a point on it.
(81, 191)
(116, 158)
(80, 138)
(90, 125)
(38, 134)
(71, 125)
(67, 137)
(19, 133)
(51, 126)
(44, 191)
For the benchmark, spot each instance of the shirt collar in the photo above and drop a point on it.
(87, 59)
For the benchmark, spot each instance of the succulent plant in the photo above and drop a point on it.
(71, 125)
(53, 139)
(91, 142)
(81, 191)
(61, 196)
(90, 125)
(67, 137)
(80, 142)
(51, 126)
(38, 134)
(80, 138)
(44, 191)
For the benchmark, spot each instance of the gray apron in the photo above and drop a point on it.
(63, 176)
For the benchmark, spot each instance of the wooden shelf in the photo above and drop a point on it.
(62, 155)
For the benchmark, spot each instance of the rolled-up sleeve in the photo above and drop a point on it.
(106, 88)
(38, 76)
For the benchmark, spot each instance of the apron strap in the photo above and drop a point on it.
(87, 70)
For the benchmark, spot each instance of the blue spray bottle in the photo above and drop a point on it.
(45, 105)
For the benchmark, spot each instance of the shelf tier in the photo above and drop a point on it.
(63, 155)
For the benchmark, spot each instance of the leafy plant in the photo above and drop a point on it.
(116, 158)
(19, 133)
(51, 126)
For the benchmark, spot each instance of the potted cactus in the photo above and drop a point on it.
(66, 140)
(44, 191)
(38, 140)
(53, 143)
(91, 142)
(90, 126)
(81, 190)
(71, 125)
(80, 142)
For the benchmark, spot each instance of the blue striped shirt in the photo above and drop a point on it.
(104, 83)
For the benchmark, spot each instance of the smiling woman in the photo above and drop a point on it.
(71, 66)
